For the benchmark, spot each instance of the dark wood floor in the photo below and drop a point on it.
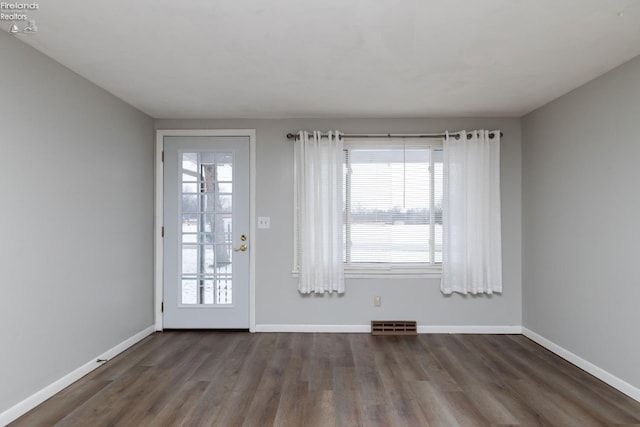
(234, 378)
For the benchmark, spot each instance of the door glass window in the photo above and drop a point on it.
(206, 236)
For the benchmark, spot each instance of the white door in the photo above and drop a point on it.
(206, 232)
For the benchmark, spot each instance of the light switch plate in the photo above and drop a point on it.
(264, 222)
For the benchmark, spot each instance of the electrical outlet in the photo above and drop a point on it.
(377, 301)
(264, 222)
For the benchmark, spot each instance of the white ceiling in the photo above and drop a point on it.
(337, 58)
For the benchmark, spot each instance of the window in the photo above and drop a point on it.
(392, 205)
(392, 217)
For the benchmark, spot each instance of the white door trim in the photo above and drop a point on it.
(159, 216)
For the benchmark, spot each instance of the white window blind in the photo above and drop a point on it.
(393, 199)
(392, 217)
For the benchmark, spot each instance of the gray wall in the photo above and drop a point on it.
(277, 299)
(76, 224)
(581, 205)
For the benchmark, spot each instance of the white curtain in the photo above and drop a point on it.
(318, 169)
(472, 242)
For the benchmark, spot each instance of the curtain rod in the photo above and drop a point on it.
(294, 136)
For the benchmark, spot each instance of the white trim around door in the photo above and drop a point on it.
(159, 217)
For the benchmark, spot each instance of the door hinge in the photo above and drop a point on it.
(162, 307)
(162, 231)
(162, 154)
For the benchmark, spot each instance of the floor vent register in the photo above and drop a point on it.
(394, 327)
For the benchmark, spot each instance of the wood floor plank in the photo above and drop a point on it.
(434, 404)
(225, 346)
(514, 383)
(562, 381)
(490, 406)
(221, 385)
(591, 392)
(105, 404)
(371, 391)
(54, 410)
(348, 400)
(237, 404)
(208, 378)
(436, 373)
(550, 404)
(499, 390)
(293, 396)
(264, 406)
(180, 406)
(292, 405)
(486, 375)
(409, 366)
(475, 380)
(320, 409)
(405, 410)
(132, 357)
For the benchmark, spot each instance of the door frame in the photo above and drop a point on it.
(158, 253)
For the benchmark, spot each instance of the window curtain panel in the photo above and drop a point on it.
(472, 240)
(318, 170)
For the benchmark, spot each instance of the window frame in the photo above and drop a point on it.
(380, 270)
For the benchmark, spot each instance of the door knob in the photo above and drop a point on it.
(242, 248)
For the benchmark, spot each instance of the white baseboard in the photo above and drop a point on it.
(315, 328)
(422, 329)
(37, 398)
(469, 329)
(612, 380)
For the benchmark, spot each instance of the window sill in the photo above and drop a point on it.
(392, 275)
(373, 273)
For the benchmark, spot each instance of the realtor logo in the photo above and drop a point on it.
(19, 12)
(29, 28)
(19, 6)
